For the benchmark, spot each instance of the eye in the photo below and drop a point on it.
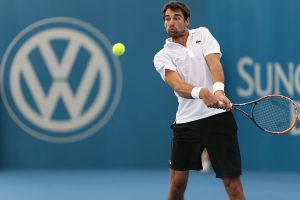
(176, 18)
(167, 18)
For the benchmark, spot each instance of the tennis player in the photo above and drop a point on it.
(190, 64)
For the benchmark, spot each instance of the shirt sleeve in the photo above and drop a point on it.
(162, 62)
(210, 44)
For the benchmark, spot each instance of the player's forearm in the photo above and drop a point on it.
(184, 90)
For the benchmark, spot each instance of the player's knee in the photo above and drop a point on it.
(235, 190)
(234, 187)
(178, 186)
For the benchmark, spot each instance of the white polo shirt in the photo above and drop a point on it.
(189, 62)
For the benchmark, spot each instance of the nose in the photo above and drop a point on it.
(171, 22)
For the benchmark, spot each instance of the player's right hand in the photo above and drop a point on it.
(224, 102)
(209, 99)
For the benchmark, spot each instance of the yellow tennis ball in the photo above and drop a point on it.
(118, 49)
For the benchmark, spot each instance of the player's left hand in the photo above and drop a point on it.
(224, 102)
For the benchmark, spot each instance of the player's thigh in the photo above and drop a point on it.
(223, 148)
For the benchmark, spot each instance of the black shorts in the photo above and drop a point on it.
(218, 134)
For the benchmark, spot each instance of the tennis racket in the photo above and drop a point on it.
(274, 113)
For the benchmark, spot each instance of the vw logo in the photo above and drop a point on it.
(60, 82)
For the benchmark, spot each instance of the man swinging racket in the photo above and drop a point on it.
(190, 64)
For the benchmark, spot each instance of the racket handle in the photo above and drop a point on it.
(221, 103)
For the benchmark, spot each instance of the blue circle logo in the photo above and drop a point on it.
(60, 82)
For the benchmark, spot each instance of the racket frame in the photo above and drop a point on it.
(296, 108)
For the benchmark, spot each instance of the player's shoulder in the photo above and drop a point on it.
(202, 30)
(200, 33)
(163, 53)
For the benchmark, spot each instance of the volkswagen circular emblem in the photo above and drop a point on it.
(60, 82)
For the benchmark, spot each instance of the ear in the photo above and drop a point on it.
(187, 22)
(165, 23)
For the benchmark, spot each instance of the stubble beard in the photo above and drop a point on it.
(176, 34)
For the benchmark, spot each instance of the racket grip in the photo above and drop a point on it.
(221, 103)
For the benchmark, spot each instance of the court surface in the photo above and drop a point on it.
(138, 185)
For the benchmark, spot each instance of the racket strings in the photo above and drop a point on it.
(274, 114)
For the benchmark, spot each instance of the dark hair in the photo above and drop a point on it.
(175, 6)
